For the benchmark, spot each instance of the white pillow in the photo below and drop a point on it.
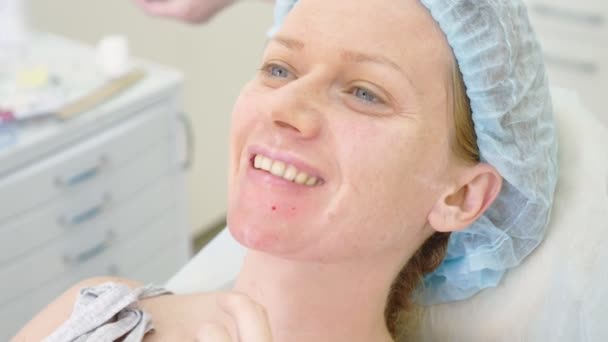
(559, 293)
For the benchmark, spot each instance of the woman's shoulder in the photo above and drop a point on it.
(58, 311)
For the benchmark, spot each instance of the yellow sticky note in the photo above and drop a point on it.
(33, 77)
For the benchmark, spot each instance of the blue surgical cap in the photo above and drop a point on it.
(501, 62)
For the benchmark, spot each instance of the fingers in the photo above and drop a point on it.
(213, 333)
(166, 8)
(250, 318)
(192, 11)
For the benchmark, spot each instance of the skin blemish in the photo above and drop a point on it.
(274, 208)
(293, 208)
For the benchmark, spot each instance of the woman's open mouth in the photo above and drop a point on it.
(284, 171)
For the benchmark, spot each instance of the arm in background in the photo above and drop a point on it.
(191, 11)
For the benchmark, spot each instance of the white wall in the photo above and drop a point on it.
(217, 59)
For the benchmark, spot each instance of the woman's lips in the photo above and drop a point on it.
(284, 167)
(287, 172)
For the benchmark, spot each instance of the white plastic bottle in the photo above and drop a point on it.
(13, 28)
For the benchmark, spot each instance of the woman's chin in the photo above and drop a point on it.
(268, 231)
(253, 237)
(272, 215)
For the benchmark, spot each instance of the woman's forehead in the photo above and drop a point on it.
(400, 31)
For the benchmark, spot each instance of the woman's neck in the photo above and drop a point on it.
(320, 302)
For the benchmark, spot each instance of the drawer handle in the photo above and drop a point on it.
(184, 119)
(80, 257)
(590, 19)
(584, 67)
(82, 175)
(87, 214)
(114, 270)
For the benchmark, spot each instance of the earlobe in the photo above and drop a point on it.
(467, 201)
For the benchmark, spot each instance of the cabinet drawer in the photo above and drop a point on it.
(582, 67)
(16, 314)
(129, 252)
(161, 264)
(161, 267)
(586, 19)
(79, 165)
(122, 246)
(143, 249)
(142, 188)
(145, 245)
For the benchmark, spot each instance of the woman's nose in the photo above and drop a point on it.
(296, 109)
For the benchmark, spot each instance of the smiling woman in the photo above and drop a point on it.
(389, 132)
(357, 150)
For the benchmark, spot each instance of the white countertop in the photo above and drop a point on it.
(38, 138)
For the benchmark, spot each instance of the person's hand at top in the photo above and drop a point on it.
(192, 11)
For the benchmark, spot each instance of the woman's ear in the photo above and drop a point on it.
(468, 200)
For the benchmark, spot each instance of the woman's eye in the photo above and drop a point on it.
(277, 71)
(366, 95)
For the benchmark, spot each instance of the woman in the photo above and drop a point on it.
(354, 155)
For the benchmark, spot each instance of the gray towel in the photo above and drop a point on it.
(106, 313)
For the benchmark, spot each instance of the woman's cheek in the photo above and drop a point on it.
(243, 108)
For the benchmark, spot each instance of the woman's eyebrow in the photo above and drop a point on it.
(289, 43)
(359, 57)
(353, 56)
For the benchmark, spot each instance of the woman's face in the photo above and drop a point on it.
(353, 99)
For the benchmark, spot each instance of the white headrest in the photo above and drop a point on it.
(560, 293)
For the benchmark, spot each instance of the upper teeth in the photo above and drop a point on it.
(286, 171)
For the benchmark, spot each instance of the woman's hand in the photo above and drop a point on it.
(249, 318)
(207, 317)
(192, 11)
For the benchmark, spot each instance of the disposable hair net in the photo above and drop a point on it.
(502, 66)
